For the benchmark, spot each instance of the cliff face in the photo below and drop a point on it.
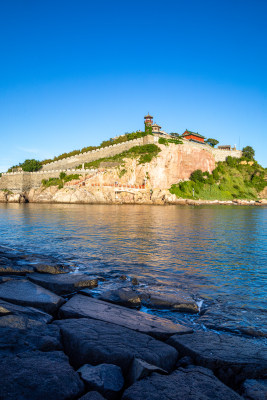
(173, 163)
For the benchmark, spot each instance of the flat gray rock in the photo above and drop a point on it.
(232, 358)
(166, 297)
(195, 383)
(105, 378)
(63, 283)
(38, 376)
(26, 293)
(80, 306)
(19, 334)
(88, 341)
(51, 269)
(11, 269)
(124, 296)
(236, 320)
(253, 389)
(29, 312)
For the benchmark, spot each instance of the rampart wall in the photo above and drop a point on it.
(23, 181)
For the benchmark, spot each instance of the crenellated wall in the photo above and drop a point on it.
(190, 153)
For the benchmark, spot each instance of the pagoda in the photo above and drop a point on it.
(148, 120)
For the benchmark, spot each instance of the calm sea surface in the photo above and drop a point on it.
(214, 252)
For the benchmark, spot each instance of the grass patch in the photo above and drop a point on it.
(145, 154)
(167, 141)
(59, 181)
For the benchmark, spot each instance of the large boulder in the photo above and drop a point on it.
(124, 296)
(232, 358)
(63, 283)
(236, 320)
(195, 383)
(253, 389)
(80, 306)
(19, 334)
(166, 297)
(36, 376)
(88, 341)
(26, 293)
(106, 378)
(28, 312)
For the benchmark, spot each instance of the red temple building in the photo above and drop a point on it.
(195, 137)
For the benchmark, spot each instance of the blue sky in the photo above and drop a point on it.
(74, 73)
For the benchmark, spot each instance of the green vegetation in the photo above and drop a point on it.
(105, 143)
(167, 141)
(31, 165)
(248, 152)
(145, 153)
(212, 142)
(230, 180)
(63, 178)
(122, 172)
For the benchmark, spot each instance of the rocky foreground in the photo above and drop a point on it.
(58, 341)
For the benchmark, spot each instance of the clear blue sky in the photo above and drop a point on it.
(74, 73)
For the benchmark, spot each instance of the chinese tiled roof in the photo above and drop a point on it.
(186, 133)
(148, 116)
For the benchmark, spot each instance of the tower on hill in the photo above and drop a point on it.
(148, 120)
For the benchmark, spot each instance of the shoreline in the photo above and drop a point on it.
(109, 196)
(53, 324)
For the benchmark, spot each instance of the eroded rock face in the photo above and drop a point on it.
(88, 341)
(194, 383)
(105, 378)
(28, 312)
(10, 269)
(124, 296)
(51, 269)
(232, 358)
(26, 293)
(36, 375)
(64, 283)
(80, 306)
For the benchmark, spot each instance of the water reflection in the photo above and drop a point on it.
(216, 251)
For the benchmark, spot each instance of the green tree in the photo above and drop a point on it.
(248, 152)
(31, 165)
(197, 176)
(212, 142)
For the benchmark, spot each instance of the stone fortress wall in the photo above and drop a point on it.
(23, 181)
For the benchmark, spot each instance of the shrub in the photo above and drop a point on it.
(31, 165)
(62, 175)
(197, 176)
(163, 141)
(231, 161)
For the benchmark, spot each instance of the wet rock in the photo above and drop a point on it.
(10, 269)
(26, 293)
(164, 297)
(236, 320)
(51, 269)
(184, 362)
(124, 296)
(96, 342)
(253, 389)
(36, 375)
(135, 281)
(6, 278)
(29, 312)
(141, 369)
(194, 383)
(92, 396)
(63, 283)
(105, 378)
(80, 306)
(19, 334)
(232, 358)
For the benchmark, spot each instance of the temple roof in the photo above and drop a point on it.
(156, 125)
(148, 116)
(186, 133)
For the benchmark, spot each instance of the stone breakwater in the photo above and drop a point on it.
(111, 195)
(67, 335)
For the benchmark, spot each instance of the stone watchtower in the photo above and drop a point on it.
(148, 120)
